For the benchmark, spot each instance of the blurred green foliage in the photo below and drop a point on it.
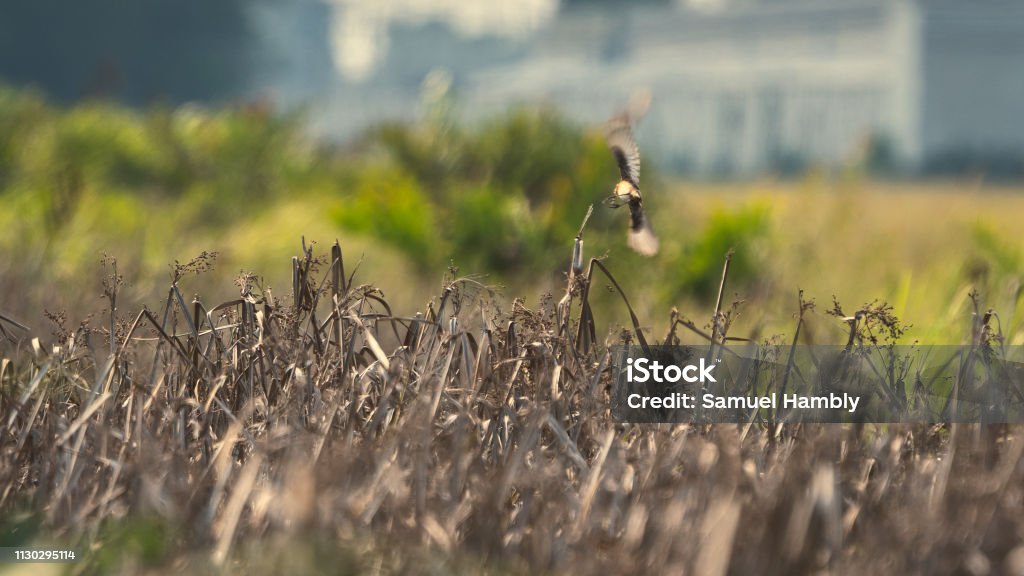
(392, 206)
(502, 193)
(142, 542)
(494, 197)
(502, 197)
(745, 231)
(991, 257)
(20, 527)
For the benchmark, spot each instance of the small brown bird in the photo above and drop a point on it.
(619, 134)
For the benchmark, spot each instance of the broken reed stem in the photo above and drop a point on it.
(716, 320)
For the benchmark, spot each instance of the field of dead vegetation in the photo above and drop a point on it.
(320, 429)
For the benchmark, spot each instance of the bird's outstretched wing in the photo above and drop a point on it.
(619, 135)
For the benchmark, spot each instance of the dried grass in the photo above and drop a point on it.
(324, 432)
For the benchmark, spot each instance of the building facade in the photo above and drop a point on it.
(746, 87)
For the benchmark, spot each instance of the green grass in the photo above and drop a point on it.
(500, 199)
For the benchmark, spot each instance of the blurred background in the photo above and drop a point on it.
(862, 149)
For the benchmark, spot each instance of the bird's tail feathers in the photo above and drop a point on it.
(641, 235)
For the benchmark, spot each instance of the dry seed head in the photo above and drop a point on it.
(577, 255)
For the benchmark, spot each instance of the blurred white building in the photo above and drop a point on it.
(746, 86)
(739, 86)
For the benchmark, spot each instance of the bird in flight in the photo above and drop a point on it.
(619, 134)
